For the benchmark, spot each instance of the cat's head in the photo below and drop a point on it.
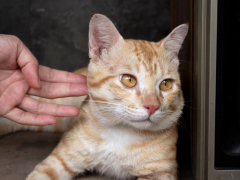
(134, 82)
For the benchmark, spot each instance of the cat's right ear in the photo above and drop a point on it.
(102, 35)
(173, 42)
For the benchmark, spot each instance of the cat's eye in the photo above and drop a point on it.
(128, 80)
(166, 84)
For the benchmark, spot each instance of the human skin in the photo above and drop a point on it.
(21, 75)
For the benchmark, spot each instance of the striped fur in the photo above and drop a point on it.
(111, 134)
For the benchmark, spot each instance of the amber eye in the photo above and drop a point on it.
(128, 80)
(166, 84)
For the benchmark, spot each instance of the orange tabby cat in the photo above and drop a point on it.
(127, 127)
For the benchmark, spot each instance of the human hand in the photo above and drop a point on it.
(20, 74)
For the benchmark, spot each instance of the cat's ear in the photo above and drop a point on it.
(173, 42)
(102, 35)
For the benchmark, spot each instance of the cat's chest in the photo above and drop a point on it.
(115, 163)
(119, 139)
(115, 156)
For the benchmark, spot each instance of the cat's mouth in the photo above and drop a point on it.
(141, 121)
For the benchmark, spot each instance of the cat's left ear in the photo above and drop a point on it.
(102, 35)
(173, 42)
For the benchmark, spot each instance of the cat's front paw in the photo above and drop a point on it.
(43, 171)
(39, 176)
(159, 176)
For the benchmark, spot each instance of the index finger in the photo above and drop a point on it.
(58, 76)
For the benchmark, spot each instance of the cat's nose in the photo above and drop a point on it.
(151, 108)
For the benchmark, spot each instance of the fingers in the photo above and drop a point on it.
(29, 65)
(53, 75)
(34, 106)
(26, 118)
(57, 90)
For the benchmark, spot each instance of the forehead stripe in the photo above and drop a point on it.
(100, 82)
(136, 50)
(153, 49)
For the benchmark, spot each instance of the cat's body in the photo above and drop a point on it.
(127, 127)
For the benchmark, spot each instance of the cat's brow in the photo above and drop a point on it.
(146, 53)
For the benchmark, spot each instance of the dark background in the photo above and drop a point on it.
(227, 147)
(56, 31)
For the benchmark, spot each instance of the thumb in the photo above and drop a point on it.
(29, 66)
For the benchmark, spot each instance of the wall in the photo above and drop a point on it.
(56, 31)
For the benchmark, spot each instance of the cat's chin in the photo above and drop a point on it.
(150, 125)
(142, 121)
(145, 124)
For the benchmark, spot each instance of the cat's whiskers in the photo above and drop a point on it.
(182, 124)
(101, 102)
(111, 107)
(164, 114)
(126, 108)
(191, 107)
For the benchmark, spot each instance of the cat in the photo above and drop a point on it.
(127, 126)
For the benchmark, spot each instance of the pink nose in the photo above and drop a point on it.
(151, 108)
